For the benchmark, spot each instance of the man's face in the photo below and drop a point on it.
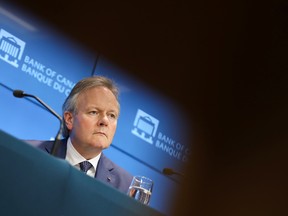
(93, 127)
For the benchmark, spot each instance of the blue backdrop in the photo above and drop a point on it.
(152, 130)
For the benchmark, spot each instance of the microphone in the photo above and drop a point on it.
(57, 141)
(169, 171)
(21, 94)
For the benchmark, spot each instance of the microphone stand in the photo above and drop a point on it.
(57, 141)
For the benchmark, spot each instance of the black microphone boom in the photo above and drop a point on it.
(57, 141)
(20, 94)
(169, 171)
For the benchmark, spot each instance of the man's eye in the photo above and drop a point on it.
(112, 116)
(93, 112)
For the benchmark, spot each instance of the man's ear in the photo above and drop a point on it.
(68, 117)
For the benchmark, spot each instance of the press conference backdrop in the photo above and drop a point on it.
(34, 57)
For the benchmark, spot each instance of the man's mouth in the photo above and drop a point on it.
(101, 133)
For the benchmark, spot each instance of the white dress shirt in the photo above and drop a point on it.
(74, 158)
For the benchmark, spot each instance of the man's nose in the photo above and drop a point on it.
(103, 120)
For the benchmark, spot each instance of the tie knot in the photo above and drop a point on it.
(85, 166)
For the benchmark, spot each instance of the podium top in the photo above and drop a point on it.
(35, 183)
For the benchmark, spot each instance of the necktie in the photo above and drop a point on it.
(85, 166)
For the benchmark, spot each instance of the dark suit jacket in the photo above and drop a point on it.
(107, 171)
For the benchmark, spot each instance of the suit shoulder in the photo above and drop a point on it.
(115, 167)
(39, 143)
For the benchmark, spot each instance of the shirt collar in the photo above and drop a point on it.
(74, 158)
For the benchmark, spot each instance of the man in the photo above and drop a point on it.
(90, 115)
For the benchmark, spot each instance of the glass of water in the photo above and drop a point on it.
(141, 189)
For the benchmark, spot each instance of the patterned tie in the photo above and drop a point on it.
(85, 166)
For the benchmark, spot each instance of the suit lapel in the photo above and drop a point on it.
(61, 152)
(105, 170)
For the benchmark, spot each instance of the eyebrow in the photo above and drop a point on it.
(111, 110)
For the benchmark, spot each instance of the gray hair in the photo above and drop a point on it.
(70, 103)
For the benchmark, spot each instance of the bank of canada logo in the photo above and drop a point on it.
(145, 126)
(11, 48)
